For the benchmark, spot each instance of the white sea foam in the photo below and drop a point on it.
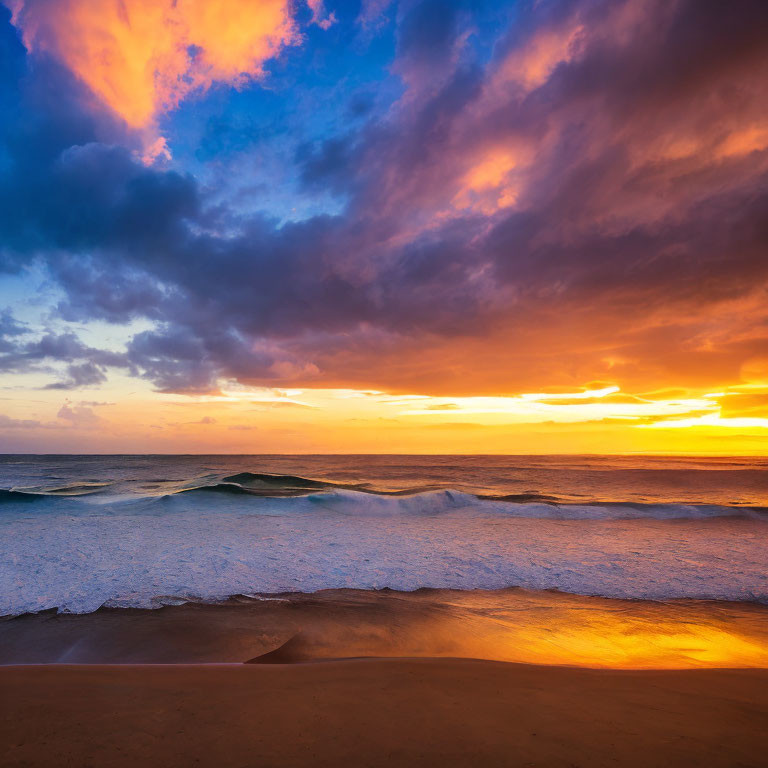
(78, 554)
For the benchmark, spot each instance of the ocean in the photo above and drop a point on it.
(82, 532)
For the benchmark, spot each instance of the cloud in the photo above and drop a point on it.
(428, 37)
(204, 420)
(320, 16)
(6, 422)
(372, 11)
(86, 374)
(10, 330)
(19, 353)
(586, 201)
(141, 58)
(79, 416)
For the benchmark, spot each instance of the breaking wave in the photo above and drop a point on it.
(286, 494)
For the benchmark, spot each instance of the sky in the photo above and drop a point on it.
(360, 226)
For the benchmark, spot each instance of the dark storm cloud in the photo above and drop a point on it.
(602, 175)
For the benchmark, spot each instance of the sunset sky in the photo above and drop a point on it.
(444, 226)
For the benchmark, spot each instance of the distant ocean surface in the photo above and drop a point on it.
(79, 532)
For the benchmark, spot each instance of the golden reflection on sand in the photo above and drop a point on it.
(503, 625)
(556, 628)
(614, 642)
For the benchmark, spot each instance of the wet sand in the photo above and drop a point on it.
(503, 625)
(404, 712)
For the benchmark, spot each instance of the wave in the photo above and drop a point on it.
(524, 498)
(259, 479)
(230, 489)
(233, 488)
(71, 489)
(446, 502)
(287, 495)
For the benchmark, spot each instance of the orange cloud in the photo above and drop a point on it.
(142, 57)
(754, 138)
(489, 184)
(531, 65)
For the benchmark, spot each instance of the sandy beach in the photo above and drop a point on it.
(406, 712)
(334, 679)
(368, 678)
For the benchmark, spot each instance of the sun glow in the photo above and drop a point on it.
(241, 419)
(586, 405)
(711, 420)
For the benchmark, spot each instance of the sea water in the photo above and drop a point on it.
(80, 532)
